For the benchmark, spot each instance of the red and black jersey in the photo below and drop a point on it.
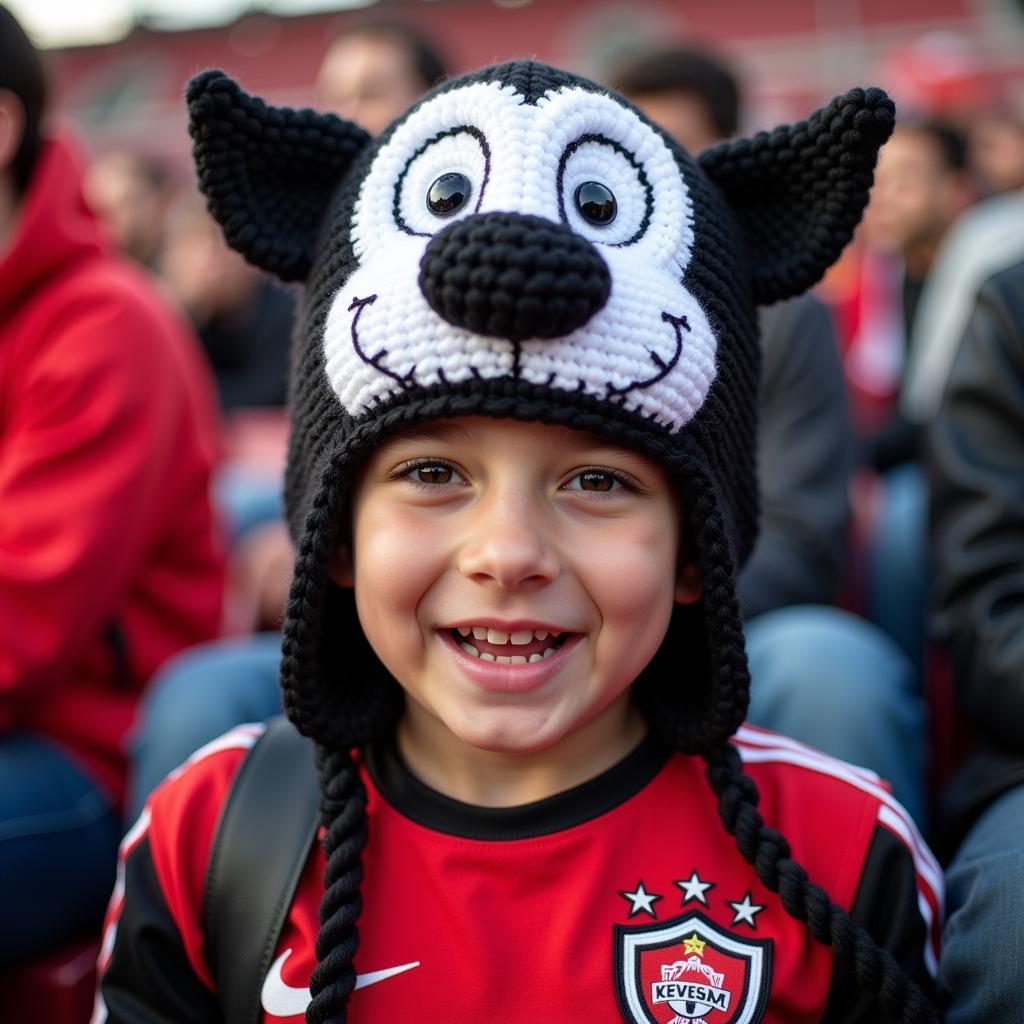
(621, 899)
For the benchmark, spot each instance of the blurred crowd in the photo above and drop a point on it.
(144, 564)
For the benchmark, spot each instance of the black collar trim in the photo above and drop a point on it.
(582, 803)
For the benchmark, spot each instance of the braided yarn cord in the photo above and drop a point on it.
(767, 850)
(343, 815)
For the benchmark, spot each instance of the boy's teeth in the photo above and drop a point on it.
(502, 659)
(498, 636)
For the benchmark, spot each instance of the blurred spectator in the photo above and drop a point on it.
(977, 534)
(370, 74)
(244, 319)
(375, 71)
(130, 193)
(986, 239)
(922, 187)
(691, 93)
(819, 674)
(108, 557)
(996, 150)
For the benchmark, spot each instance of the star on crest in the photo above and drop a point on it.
(641, 900)
(745, 910)
(694, 945)
(694, 889)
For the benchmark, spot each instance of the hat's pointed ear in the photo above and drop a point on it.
(799, 191)
(268, 173)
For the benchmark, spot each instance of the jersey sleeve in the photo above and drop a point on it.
(152, 967)
(883, 873)
(899, 903)
(148, 978)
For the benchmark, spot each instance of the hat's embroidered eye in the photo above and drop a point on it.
(448, 194)
(443, 179)
(596, 203)
(603, 191)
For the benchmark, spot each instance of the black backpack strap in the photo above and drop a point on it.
(266, 830)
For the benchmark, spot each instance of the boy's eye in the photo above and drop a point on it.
(594, 480)
(432, 473)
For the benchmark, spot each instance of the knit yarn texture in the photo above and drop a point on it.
(469, 261)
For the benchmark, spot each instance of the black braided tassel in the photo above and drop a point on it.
(767, 850)
(343, 814)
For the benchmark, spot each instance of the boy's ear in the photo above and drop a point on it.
(689, 585)
(268, 173)
(342, 571)
(799, 191)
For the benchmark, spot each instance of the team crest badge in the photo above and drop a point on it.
(688, 970)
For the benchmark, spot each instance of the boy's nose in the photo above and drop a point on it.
(508, 549)
(513, 275)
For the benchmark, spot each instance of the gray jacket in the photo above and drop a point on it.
(976, 464)
(804, 453)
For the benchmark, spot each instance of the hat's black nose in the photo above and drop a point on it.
(515, 276)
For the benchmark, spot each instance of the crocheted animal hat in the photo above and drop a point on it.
(523, 243)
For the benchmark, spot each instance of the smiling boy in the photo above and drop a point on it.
(520, 479)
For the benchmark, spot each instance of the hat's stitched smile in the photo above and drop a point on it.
(376, 361)
(679, 324)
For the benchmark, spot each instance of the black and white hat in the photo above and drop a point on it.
(525, 244)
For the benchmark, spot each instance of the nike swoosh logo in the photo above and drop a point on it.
(279, 999)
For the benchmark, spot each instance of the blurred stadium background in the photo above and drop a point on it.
(120, 66)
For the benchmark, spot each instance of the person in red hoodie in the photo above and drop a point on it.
(109, 554)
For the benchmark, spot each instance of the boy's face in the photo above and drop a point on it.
(515, 578)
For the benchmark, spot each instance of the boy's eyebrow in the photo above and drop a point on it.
(437, 430)
(440, 430)
(458, 432)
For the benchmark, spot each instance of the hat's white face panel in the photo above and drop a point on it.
(650, 347)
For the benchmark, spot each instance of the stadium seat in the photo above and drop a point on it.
(57, 988)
